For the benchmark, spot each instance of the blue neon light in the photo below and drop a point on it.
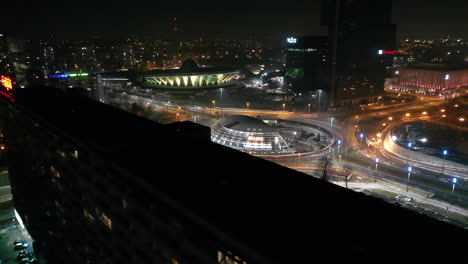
(59, 76)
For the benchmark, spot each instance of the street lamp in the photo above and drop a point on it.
(308, 108)
(331, 123)
(409, 175)
(376, 164)
(221, 104)
(320, 94)
(339, 144)
(214, 105)
(360, 138)
(454, 181)
(409, 149)
(445, 152)
(248, 104)
(284, 106)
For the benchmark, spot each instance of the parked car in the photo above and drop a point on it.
(23, 253)
(24, 261)
(21, 246)
(19, 242)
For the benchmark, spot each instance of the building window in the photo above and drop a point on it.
(229, 258)
(55, 172)
(106, 220)
(75, 154)
(61, 153)
(88, 216)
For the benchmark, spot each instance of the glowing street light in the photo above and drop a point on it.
(248, 104)
(339, 144)
(409, 149)
(409, 175)
(214, 105)
(308, 108)
(454, 181)
(284, 106)
(376, 164)
(444, 152)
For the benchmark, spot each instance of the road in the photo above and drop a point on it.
(391, 167)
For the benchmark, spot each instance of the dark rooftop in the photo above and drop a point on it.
(245, 124)
(281, 214)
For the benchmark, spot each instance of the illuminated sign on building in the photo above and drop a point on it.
(6, 82)
(291, 40)
(78, 74)
(386, 52)
(58, 76)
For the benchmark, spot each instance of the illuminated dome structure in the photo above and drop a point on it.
(248, 134)
(189, 77)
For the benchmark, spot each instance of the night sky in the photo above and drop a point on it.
(210, 19)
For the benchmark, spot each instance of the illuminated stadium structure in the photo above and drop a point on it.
(248, 134)
(190, 76)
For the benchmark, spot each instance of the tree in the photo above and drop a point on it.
(347, 170)
(325, 168)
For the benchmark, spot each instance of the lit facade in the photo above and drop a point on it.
(432, 79)
(188, 81)
(190, 76)
(248, 134)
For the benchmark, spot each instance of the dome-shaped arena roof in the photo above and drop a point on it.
(189, 64)
(245, 124)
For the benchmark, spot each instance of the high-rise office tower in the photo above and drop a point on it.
(362, 41)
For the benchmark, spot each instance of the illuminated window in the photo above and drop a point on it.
(61, 154)
(88, 216)
(106, 220)
(55, 172)
(229, 258)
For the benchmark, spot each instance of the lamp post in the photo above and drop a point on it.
(284, 106)
(339, 144)
(221, 104)
(248, 104)
(361, 136)
(454, 181)
(308, 108)
(331, 123)
(409, 175)
(214, 105)
(320, 94)
(376, 164)
(443, 162)
(409, 149)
